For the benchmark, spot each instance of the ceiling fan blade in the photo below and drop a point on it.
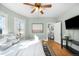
(46, 6)
(29, 4)
(41, 12)
(33, 10)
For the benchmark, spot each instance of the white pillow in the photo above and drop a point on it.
(5, 45)
(14, 41)
(3, 40)
(12, 37)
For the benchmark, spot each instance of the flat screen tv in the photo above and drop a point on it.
(72, 23)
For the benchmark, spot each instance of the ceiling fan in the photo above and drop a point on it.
(38, 6)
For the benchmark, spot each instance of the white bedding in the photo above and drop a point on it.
(24, 48)
(6, 42)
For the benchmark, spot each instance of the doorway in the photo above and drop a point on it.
(51, 31)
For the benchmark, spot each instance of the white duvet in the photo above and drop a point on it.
(24, 48)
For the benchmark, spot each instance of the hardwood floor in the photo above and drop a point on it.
(57, 50)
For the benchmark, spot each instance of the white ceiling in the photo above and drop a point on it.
(56, 10)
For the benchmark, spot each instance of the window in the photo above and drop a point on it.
(19, 26)
(3, 25)
(37, 28)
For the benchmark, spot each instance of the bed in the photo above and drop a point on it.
(28, 47)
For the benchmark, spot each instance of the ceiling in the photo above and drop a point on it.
(56, 10)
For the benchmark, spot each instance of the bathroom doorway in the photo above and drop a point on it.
(51, 31)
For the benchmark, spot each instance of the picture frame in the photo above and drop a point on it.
(37, 28)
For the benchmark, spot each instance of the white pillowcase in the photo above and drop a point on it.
(14, 41)
(7, 41)
(3, 40)
(5, 45)
(11, 37)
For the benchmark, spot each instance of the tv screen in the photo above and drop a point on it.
(72, 23)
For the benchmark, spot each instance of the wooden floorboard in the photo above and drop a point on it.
(57, 50)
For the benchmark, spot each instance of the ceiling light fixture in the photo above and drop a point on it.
(38, 6)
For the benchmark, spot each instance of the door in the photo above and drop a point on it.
(57, 32)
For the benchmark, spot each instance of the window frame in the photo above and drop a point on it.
(37, 31)
(6, 22)
(16, 18)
